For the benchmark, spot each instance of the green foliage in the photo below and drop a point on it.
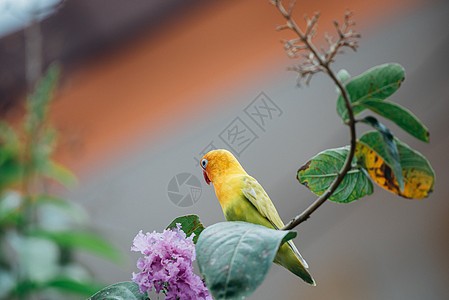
(38, 102)
(59, 173)
(389, 162)
(39, 233)
(10, 169)
(61, 284)
(319, 172)
(343, 75)
(399, 115)
(65, 284)
(234, 257)
(377, 83)
(189, 224)
(120, 291)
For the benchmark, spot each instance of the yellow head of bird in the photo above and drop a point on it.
(219, 163)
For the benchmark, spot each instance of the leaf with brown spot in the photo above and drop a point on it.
(419, 177)
(389, 149)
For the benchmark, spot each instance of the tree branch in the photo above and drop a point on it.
(313, 64)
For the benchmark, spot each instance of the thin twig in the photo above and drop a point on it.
(316, 63)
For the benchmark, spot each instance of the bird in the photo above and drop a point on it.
(242, 198)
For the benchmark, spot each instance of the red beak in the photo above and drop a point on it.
(205, 177)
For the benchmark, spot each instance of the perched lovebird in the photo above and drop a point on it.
(242, 198)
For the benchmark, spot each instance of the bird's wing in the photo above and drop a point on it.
(255, 193)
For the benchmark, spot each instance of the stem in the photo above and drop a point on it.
(351, 123)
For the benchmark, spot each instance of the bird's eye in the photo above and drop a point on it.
(204, 163)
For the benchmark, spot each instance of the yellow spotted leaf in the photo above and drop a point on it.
(419, 176)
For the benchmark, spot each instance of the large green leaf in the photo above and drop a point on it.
(399, 115)
(234, 257)
(419, 177)
(319, 172)
(189, 224)
(378, 83)
(81, 240)
(120, 291)
(391, 154)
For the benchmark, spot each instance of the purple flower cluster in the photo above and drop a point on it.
(167, 265)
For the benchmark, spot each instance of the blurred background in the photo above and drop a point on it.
(147, 87)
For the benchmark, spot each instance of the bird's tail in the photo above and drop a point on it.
(293, 261)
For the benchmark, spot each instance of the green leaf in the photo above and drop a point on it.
(63, 284)
(10, 171)
(234, 257)
(319, 172)
(343, 75)
(10, 212)
(399, 115)
(59, 173)
(120, 291)
(23, 288)
(419, 177)
(82, 240)
(10, 164)
(189, 224)
(378, 83)
(66, 284)
(37, 103)
(391, 154)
